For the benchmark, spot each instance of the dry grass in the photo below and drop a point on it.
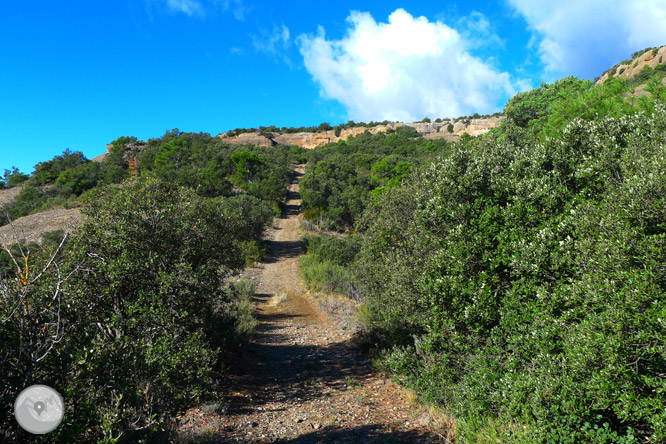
(435, 418)
(277, 299)
(340, 308)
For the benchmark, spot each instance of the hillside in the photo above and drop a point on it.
(8, 195)
(651, 58)
(132, 155)
(32, 227)
(312, 139)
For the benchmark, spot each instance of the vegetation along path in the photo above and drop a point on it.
(302, 380)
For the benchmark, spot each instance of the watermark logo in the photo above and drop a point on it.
(39, 409)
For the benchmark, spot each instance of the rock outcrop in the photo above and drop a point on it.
(630, 69)
(310, 140)
(250, 139)
(429, 130)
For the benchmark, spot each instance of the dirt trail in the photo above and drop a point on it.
(302, 381)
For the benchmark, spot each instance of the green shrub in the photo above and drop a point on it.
(137, 313)
(252, 252)
(646, 73)
(535, 105)
(35, 320)
(521, 285)
(324, 126)
(339, 181)
(209, 166)
(298, 154)
(325, 267)
(247, 215)
(33, 199)
(324, 276)
(47, 172)
(14, 177)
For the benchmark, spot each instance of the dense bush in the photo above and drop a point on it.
(536, 104)
(31, 313)
(548, 109)
(59, 182)
(47, 172)
(342, 178)
(13, 177)
(522, 286)
(213, 168)
(334, 193)
(132, 319)
(194, 160)
(251, 216)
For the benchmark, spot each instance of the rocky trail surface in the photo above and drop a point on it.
(302, 380)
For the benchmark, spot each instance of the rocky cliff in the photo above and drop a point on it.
(431, 130)
(631, 68)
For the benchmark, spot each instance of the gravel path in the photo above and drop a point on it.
(302, 380)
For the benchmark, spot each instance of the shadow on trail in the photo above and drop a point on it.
(279, 369)
(364, 434)
(283, 249)
(332, 435)
(292, 209)
(287, 249)
(280, 374)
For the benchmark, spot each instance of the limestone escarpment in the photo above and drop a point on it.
(250, 139)
(309, 140)
(450, 130)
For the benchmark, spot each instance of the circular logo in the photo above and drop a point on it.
(39, 409)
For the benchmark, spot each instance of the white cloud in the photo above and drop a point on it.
(403, 70)
(478, 31)
(586, 37)
(199, 8)
(237, 8)
(189, 7)
(275, 43)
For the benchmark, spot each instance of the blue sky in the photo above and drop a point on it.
(81, 73)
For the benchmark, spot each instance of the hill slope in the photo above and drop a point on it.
(629, 69)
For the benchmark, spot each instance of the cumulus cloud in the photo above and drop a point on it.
(402, 70)
(585, 37)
